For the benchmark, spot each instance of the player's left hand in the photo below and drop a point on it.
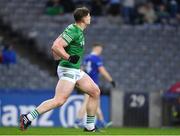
(113, 83)
(73, 59)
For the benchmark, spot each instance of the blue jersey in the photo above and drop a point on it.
(92, 63)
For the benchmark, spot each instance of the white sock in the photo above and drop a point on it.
(90, 122)
(32, 115)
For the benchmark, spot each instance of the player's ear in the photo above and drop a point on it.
(83, 20)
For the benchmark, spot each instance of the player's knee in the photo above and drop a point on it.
(96, 93)
(60, 101)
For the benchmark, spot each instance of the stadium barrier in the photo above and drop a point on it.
(136, 109)
(15, 102)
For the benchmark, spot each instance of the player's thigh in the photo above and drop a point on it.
(63, 89)
(87, 85)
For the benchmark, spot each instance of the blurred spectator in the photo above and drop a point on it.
(96, 7)
(175, 88)
(128, 10)
(8, 55)
(147, 13)
(173, 7)
(173, 10)
(114, 7)
(0, 56)
(54, 7)
(163, 15)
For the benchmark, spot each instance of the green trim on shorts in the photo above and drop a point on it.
(68, 75)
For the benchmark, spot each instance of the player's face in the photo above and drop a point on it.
(99, 49)
(87, 19)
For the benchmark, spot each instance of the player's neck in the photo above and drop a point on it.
(82, 26)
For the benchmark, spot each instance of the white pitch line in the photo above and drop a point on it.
(91, 135)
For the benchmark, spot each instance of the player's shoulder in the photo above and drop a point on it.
(71, 28)
(93, 57)
(70, 32)
(97, 58)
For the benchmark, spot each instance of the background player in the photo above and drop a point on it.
(69, 46)
(93, 66)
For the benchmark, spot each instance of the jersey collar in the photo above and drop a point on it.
(78, 27)
(93, 53)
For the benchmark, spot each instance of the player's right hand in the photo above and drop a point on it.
(73, 59)
(113, 83)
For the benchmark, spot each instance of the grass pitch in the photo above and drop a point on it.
(73, 131)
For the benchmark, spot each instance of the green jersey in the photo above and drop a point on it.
(74, 37)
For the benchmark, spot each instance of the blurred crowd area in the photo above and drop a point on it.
(145, 57)
(7, 53)
(129, 11)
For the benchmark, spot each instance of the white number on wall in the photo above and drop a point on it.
(137, 100)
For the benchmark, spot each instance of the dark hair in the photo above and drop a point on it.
(79, 13)
(97, 45)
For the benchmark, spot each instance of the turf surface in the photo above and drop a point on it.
(73, 131)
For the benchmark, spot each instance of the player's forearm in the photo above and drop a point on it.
(60, 52)
(105, 74)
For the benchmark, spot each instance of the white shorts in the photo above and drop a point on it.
(69, 74)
